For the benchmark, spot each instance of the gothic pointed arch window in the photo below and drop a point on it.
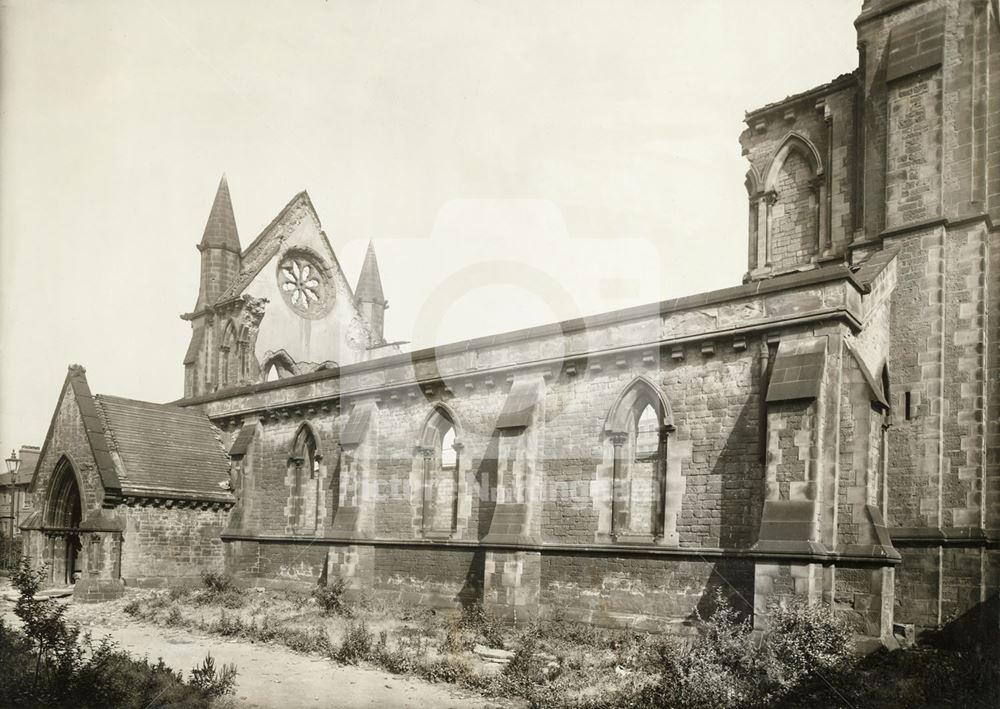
(440, 449)
(643, 507)
(228, 356)
(304, 480)
(792, 207)
(647, 434)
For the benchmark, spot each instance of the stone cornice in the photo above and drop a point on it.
(178, 502)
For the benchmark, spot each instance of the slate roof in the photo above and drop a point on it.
(369, 288)
(798, 370)
(164, 451)
(520, 403)
(357, 424)
(242, 442)
(26, 470)
(868, 270)
(22, 479)
(874, 386)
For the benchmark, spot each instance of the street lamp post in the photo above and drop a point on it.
(12, 465)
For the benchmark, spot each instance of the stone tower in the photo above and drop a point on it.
(900, 160)
(929, 79)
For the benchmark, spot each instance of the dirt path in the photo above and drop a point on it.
(270, 676)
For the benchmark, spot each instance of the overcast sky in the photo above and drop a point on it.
(514, 162)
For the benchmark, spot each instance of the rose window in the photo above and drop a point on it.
(303, 285)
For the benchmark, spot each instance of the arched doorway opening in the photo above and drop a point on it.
(64, 514)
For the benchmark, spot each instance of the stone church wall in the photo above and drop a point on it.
(533, 532)
(169, 545)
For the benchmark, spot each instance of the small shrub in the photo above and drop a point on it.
(50, 665)
(228, 626)
(214, 683)
(806, 640)
(217, 583)
(396, 661)
(453, 640)
(357, 644)
(132, 608)
(174, 617)
(558, 627)
(331, 598)
(485, 624)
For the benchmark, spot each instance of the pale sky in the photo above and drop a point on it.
(514, 162)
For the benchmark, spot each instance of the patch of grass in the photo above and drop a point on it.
(305, 640)
(451, 669)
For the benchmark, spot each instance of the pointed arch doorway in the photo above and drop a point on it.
(64, 513)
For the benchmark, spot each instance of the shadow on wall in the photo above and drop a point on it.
(740, 467)
(486, 485)
(958, 666)
(332, 497)
(471, 592)
(978, 628)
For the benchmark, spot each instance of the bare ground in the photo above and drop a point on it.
(269, 675)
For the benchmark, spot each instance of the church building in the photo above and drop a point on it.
(828, 430)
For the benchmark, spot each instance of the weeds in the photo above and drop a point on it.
(804, 660)
(485, 624)
(220, 589)
(331, 598)
(217, 583)
(50, 664)
(357, 645)
(214, 683)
